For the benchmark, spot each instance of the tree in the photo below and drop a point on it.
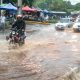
(58, 5)
(25, 2)
(77, 6)
(28, 2)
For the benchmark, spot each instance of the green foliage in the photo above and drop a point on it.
(58, 5)
(77, 6)
(7, 25)
(28, 2)
(25, 2)
(14, 0)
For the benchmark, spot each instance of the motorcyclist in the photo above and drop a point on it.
(19, 26)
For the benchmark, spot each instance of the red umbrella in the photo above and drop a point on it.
(27, 8)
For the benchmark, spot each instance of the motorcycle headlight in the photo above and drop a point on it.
(13, 32)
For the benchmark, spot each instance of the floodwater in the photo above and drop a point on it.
(47, 54)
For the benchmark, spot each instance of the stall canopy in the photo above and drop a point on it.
(27, 8)
(1, 6)
(8, 7)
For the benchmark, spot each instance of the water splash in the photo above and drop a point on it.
(74, 74)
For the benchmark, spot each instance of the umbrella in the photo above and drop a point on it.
(27, 8)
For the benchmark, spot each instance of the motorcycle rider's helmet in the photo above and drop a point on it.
(19, 17)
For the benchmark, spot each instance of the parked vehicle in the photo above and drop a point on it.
(76, 26)
(64, 23)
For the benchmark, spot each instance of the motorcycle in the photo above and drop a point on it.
(16, 38)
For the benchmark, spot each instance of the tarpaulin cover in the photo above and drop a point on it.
(8, 7)
(27, 8)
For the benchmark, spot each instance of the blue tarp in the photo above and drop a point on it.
(8, 7)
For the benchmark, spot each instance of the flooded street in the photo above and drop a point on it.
(47, 54)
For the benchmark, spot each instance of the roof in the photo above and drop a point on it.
(59, 12)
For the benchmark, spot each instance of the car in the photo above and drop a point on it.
(64, 23)
(76, 26)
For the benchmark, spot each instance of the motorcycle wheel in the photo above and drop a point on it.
(21, 42)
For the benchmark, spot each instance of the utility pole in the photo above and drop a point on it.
(19, 6)
(1, 1)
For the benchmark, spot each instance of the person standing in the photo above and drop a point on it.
(41, 16)
(3, 20)
(46, 18)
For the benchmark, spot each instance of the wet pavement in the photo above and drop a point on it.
(47, 54)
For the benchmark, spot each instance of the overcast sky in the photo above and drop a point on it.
(75, 1)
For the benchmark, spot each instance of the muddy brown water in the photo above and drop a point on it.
(47, 54)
